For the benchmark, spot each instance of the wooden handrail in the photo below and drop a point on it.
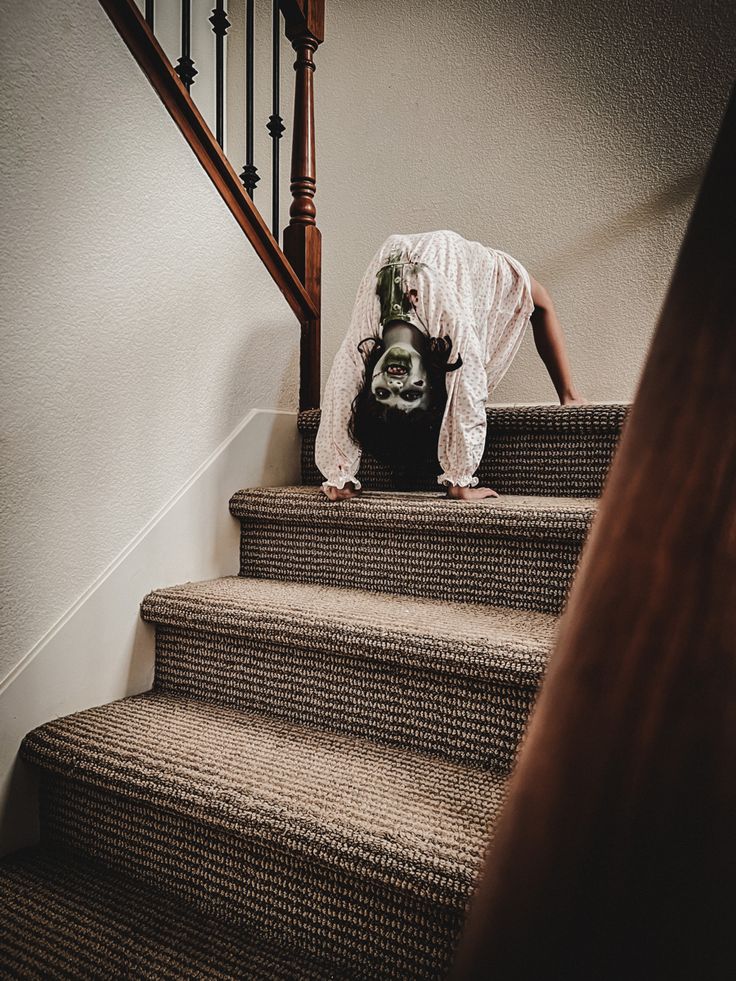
(139, 38)
(616, 855)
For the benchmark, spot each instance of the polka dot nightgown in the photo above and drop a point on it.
(482, 298)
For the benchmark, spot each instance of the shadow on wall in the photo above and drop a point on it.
(571, 135)
(603, 236)
(656, 71)
(19, 824)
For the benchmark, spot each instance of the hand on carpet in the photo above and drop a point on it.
(573, 399)
(338, 494)
(470, 493)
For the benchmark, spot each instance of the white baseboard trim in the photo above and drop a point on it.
(100, 650)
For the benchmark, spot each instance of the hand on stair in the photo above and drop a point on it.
(337, 494)
(470, 493)
(573, 398)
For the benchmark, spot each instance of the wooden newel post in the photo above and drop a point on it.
(302, 239)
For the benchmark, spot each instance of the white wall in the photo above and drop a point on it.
(167, 28)
(100, 649)
(571, 134)
(138, 326)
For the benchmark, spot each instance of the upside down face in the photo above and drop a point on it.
(400, 380)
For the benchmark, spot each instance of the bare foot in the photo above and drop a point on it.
(470, 493)
(573, 399)
(344, 494)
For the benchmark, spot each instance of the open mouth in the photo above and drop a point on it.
(396, 370)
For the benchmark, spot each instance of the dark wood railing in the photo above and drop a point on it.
(302, 238)
(615, 857)
(296, 268)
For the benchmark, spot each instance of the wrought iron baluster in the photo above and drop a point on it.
(249, 175)
(275, 125)
(185, 66)
(149, 13)
(220, 24)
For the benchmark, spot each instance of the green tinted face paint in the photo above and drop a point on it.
(400, 379)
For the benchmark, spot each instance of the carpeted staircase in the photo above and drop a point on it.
(308, 789)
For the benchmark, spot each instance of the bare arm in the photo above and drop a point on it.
(550, 343)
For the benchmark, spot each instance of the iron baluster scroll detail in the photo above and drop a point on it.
(275, 124)
(220, 25)
(249, 175)
(185, 66)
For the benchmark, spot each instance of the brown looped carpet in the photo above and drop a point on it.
(308, 790)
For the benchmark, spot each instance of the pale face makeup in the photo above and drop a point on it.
(400, 379)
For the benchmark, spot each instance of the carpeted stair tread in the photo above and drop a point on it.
(448, 679)
(512, 515)
(325, 752)
(511, 551)
(530, 449)
(69, 918)
(394, 816)
(481, 641)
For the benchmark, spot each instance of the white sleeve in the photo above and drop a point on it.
(463, 431)
(508, 316)
(336, 455)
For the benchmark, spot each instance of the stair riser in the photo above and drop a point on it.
(310, 680)
(516, 463)
(66, 918)
(542, 450)
(523, 573)
(371, 928)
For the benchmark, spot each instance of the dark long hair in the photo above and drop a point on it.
(405, 441)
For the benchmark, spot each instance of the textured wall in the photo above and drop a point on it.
(167, 26)
(138, 326)
(571, 134)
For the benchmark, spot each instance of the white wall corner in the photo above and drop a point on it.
(100, 650)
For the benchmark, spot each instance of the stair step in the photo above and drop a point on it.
(452, 679)
(530, 449)
(64, 917)
(358, 854)
(518, 552)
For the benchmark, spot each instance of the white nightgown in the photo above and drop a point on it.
(482, 299)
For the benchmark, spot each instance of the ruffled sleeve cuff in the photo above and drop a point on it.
(339, 480)
(457, 480)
